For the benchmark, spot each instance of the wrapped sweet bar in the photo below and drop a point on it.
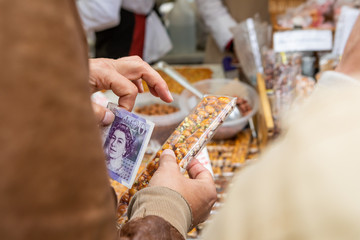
(186, 141)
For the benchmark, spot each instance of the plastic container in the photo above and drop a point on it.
(182, 28)
(187, 141)
(227, 87)
(164, 124)
(308, 66)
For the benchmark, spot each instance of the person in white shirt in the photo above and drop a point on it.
(220, 16)
(125, 28)
(99, 15)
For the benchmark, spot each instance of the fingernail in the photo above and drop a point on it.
(168, 152)
(109, 118)
(141, 88)
(171, 97)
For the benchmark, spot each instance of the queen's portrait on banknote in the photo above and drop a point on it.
(120, 146)
(125, 144)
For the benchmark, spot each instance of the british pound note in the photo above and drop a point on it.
(125, 143)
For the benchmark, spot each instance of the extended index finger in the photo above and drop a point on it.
(157, 85)
(135, 68)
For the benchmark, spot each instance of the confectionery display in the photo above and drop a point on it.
(284, 82)
(311, 14)
(280, 69)
(314, 14)
(227, 156)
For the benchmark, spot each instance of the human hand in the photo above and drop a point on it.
(124, 77)
(199, 191)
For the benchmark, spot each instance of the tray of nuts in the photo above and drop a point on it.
(188, 139)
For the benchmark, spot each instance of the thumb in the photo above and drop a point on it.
(197, 171)
(103, 115)
(168, 161)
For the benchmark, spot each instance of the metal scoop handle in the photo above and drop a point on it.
(178, 78)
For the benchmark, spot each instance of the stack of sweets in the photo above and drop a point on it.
(227, 156)
(241, 148)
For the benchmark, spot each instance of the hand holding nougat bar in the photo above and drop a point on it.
(186, 141)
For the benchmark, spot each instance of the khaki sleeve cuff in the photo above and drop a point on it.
(162, 202)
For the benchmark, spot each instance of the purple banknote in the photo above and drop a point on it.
(125, 142)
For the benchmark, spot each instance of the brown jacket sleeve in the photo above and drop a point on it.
(53, 180)
(149, 228)
(157, 213)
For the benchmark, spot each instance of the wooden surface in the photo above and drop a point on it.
(264, 119)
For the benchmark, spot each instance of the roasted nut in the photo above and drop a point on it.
(144, 177)
(178, 154)
(195, 118)
(223, 100)
(183, 151)
(191, 140)
(167, 146)
(198, 133)
(151, 168)
(210, 109)
(205, 123)
(186, 133)
(125, 198)
(210, 100)
(202, 114)
(158, 154)
(122, 209)
(132, 192)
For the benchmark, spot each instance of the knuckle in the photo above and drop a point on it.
(135, 58)
(103, 63)
(104, 66)
(131, 89)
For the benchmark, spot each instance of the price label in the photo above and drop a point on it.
(303, 40)
(204, 159)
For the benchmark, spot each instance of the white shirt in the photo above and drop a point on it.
(218, 19)
(98, 15)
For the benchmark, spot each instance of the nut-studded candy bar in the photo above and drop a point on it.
(186, 141)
